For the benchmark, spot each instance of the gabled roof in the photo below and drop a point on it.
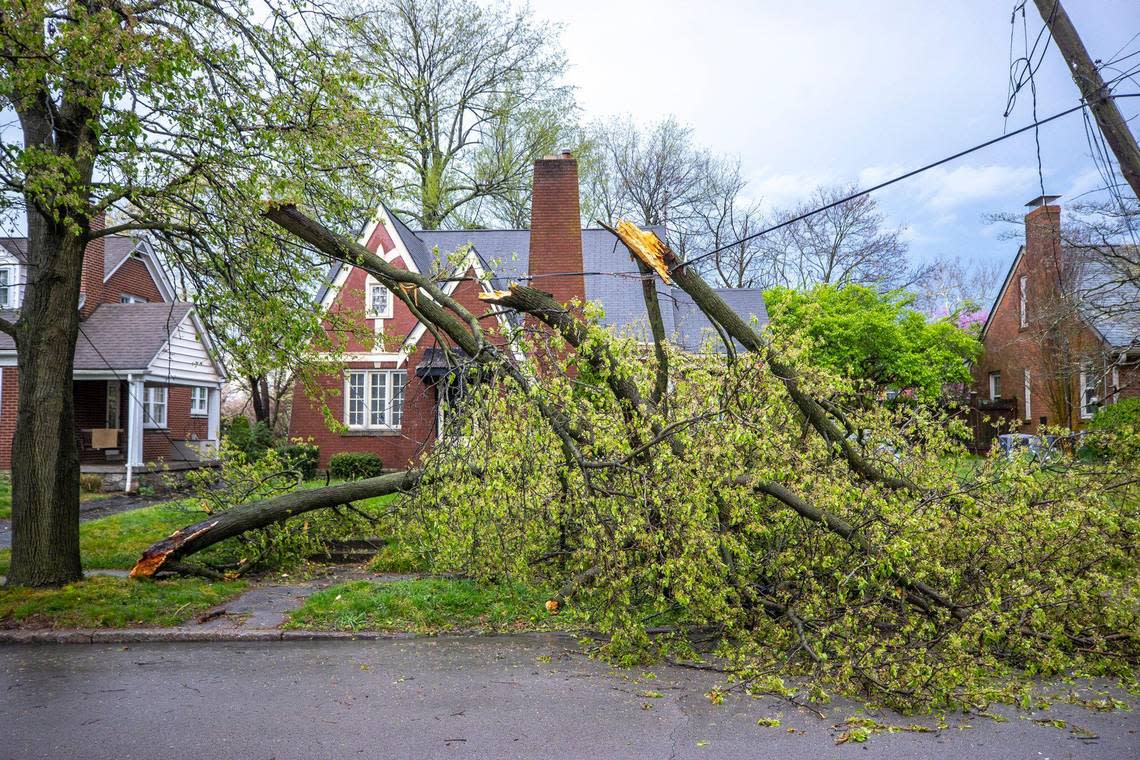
(120, 336)
(18, 247)
(1110, 303)
(612, 277)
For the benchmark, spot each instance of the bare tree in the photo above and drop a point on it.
(723, 221)
(955, 286)
(849, 243)
(474, 94)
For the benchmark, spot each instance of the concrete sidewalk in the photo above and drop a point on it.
(522, 696)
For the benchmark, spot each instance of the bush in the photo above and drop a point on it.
(252, 439)
(1114, 432)
(355, 466)
(301, 456)
(91, 483)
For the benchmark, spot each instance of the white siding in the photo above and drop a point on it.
(16, 278)
(184, 358)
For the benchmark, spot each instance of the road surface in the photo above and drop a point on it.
(527, 696)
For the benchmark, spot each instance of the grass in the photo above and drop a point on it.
(103, 602)
(430, 605)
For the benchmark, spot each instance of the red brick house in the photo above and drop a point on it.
(147, 389)
(392, 394)
(1062, 338)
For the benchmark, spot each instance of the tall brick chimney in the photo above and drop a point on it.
(1043, 234)
(556, 229)
(91, 282)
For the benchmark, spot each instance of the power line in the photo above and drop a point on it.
(899, 178)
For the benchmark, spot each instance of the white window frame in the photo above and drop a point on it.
(995, 388)
(1115, 384)
(199, 407)
(9, 287)
(1022, 284)
(128, 298)
(374, 398)
(114, 400)
(370, 286)
(155, 399)
(1028, 396)
(1088, 408)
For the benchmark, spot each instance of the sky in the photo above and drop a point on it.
(812, 92)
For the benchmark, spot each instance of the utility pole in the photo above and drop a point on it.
(1112, 125)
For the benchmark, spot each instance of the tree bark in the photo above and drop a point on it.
(45, 456)
(259, 398)
(166, 553)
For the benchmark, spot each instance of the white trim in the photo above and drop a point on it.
(1023, 300)
(388, 410)
(398, 251)
(1028, 395)
(370, 284)
(150, 260)
(205, 407)
(1115, 384)
(995, 388)
(13, 276)
(207, 345)
(1083, 408)
(150, 401)
(118, 396)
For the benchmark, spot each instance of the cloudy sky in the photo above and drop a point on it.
(819, 92)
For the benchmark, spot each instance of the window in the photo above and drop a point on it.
(1028, 398)
(375, 399)
(379, 301)
(199, 398)
(112, 404)
(9, 287)
(995, 385)
(128, 298)
(1022, 284)
(154, 406)
(1115, 384)
(1090, 390)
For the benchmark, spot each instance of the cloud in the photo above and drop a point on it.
(784, 189)
(945, 189)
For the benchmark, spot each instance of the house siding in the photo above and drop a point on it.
(131, 278)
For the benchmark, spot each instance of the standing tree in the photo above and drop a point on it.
(179, 115)
(848, 243)
(474, 94)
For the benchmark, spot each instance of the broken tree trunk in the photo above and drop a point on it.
(166, 553)
(652, 252)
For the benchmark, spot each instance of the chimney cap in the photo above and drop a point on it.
(1041, 200)
(566, 153)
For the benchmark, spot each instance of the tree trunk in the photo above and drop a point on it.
(259, 514)
(259, 398)
(45, 457)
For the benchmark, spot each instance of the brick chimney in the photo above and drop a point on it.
(1043, 234)
(91, 282)
(556, 229)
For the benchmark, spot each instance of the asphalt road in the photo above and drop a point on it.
(490, 697)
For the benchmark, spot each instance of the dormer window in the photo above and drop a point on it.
(1023, 285)
(128, 298)
(379, 301)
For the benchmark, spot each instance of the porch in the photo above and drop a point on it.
(130, 428)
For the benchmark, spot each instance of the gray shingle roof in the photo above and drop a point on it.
(18, 247)
(612, 278)
(115, 249)
(120, 336)
(1111, 303)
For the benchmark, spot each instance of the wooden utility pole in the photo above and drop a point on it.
(1112, 125)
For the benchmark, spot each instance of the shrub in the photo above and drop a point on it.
(90, 483)
(301, 456)
(1115, 431)
(253, 439)
(355, 466)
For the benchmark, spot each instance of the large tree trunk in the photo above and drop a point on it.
(259, 514)
(259, 397)
(45, 458)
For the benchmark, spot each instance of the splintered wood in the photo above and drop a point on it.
(645, 245)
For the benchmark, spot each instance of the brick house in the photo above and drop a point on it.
(1062, 337)
(146, 387)
(391, 395)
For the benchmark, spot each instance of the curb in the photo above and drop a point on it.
(151, 635)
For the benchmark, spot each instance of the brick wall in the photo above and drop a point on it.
(91, 279)
(180, 425)
(132, 278)
(9, 398)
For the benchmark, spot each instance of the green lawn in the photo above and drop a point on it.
(5, 497)
(430, 605)
(103, 602)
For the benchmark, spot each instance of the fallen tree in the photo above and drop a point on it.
(242, 518)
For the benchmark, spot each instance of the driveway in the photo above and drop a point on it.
(529, 696)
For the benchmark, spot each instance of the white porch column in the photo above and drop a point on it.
(134, 421)
(214, 416)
